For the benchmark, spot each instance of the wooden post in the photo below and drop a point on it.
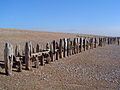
(47, 46)
(36, 62)
(84, 44)
(42, 62)
(118, 41)
(52, 52)
(80, 46)
(100, 42)
(37, 48)
(57, 54)
(60, 49)
(19, 66)
(87, 44)
(74, 45)
(68, 47)
(17, 50)
(95, 42)
(47, 58)
(108, 41)
(71, 48)
(77, 45)
(91, 43)
(54, 46)
(65, 47)
(8, 58)
(57, 51)
(27, 56)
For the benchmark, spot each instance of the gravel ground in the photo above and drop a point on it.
(97, 69)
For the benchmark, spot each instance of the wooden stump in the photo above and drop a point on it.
(65, 47)
(17, 50)
(48, 46)
(57, 54)
(42, 62)
(80, 46)
(68, 47)
(60, 48)
(8, 58)
(52, 51)
(77, 45)
(37, 48)
(47, 58)
(84, 44)
(95, 43)
(36, 60)
(19, 69)
(57, 51)
(118, 41)
(71, 48)
(27, 56)
(87, 44)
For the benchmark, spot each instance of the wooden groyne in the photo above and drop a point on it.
(54, 50)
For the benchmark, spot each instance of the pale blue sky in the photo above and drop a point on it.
(72, 16)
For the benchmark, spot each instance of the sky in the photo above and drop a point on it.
(101, 17)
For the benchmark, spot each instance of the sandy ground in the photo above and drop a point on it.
(97, 69)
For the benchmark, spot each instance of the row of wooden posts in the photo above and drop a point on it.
(54, 50)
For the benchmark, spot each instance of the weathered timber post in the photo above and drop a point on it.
(71, 48)
(37, 48)
(91, 43)
(36, 62)
(100, 42)
(87, 44)
(54, 46)
(52, 52)
(104, 41)
(118, 41)
(60, 49)
(8, 58)
(33, 50)
(77, 45)
(48, 46)
(17, 50)
(95, 42)
(74, 45)
(27, 55)
(68, 47)
(42, 62)
(80, 46)
(19, 66)
(54, 49)
(57, 51)
(65, 47)
(84, 44)
(108, 40)
(47, 58)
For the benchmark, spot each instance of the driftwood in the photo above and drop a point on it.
(8, 58)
